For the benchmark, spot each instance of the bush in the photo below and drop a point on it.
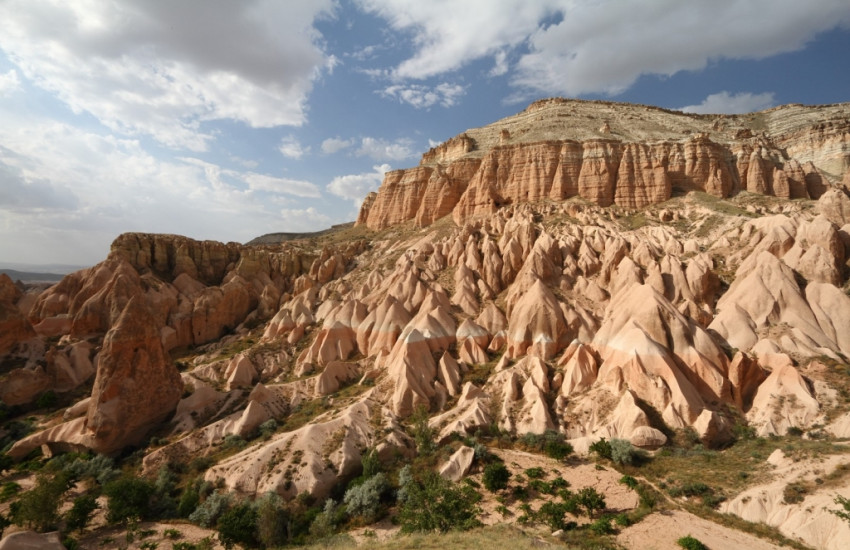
(208, 512)
(46, 400)
(326, 522)
(629, 482)
(552, 443)
(423, 433)
(437, 504)
(496, 476)
(601, 448)
(80, 513)
(591, 501)
(535, 473)
(646, 496)
(128, 498)
(690, 543)
(101, 468)
(10, 489)
(602, 526)
(552, 514)
(268, 428)
(271, 520)
(622, 452)
(844, 511)
(37, 509)
(371, 463)
(364, 500)
(189, 499)
(238, 525)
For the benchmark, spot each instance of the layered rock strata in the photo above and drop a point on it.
(641, 156)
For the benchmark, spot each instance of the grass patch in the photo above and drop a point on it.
(496, 536)
(309, 410)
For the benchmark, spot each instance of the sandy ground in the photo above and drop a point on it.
(661, 530)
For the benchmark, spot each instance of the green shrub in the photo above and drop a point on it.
(80, 513)
(271, 520)
(238, 525)
(622, 452)
(37, 509)
(629, 482)
(46, 400)
(435, 504)
(128, 498)
(371, 463)
(101, 468)
(646, 496)
(602, 526)
(496, 476)
(591, 500)
(268, 428)
(552, 443)
(844, 511)
(208, 512)
(601, 448)
(325, 524)
(423, 433)
(364, 500)
(10, 489)
(535, 473)
(552, 514)
(690, 543)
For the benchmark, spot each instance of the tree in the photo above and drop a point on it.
(80, 513)
(365, 499)
(423, 433)
(128, 498)
(496, 476)
(591, 501)
(37, 509)
(271, 520)
(438, 504)
(238, 525)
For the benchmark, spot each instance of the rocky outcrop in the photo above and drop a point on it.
(558, 153)
(136, 387)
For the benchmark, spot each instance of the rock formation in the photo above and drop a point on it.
(702, 298)
(636, 161)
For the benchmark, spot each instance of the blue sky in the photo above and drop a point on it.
(226, 120)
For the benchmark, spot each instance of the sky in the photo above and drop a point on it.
(226, 120)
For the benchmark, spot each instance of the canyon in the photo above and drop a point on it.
(592, 269)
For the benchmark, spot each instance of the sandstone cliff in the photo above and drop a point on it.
(556, 150)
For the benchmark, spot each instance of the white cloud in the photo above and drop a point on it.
(571, 48)
(421, 97)
(66, 193)
(9, 82)
(500, 64)
(729, 104)
(164, 68)
(261, 182)
(290, 147)
(355, 187)
(382, 150)
(304, 219)
(448, 35)
(335, 144)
